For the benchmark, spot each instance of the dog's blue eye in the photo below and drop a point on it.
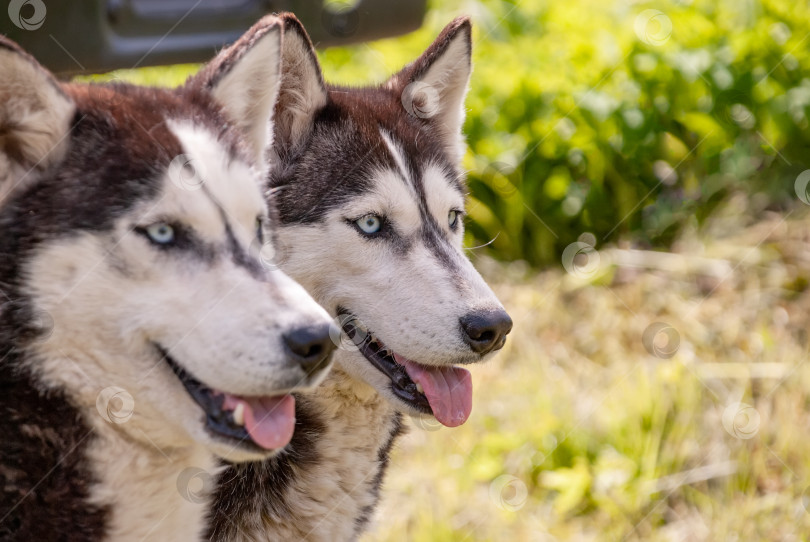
(160, 233)
(452, 219)
(369, 223)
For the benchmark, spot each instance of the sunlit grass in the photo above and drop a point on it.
(157, 76)
(610, 442)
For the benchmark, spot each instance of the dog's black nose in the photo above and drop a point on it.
(486, 331)
(310, 346)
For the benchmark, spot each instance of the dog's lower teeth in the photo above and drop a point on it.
(239, 414)
(419, 388)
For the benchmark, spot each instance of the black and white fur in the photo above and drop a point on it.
(88, 302)
(341, 153)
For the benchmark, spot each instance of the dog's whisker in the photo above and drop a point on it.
(485, 244)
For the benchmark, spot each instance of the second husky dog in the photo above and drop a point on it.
(140, 337)
(371, 200)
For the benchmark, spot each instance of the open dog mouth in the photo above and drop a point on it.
(445, 392)
(264, 422)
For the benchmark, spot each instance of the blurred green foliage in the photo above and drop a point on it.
(617, 118)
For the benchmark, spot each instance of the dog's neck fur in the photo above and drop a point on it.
(143, 487)
(332, 470)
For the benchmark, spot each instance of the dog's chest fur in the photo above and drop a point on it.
(148, 496)
(326, 485)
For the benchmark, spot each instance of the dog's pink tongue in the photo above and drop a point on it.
(448, 390)
(270, 421)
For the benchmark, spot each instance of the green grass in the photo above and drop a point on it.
(157, 76)
(599, 439)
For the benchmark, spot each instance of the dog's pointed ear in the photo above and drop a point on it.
(434, 86)
(303, 91)
(35, 118)
(245, 79)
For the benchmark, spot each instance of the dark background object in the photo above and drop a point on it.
(92, 36)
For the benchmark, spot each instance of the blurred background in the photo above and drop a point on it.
(638, 195)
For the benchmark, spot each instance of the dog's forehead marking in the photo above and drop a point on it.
(399, 200)
(389, 196)
(226, 183)
(430, 195)
(397, 155)
(441, 194)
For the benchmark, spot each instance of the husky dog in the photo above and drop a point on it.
(141, 338)
(371, 199)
